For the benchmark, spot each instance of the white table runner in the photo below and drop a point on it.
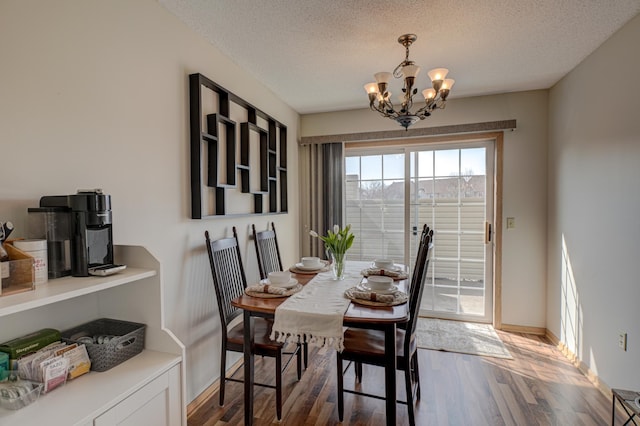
(316, 312)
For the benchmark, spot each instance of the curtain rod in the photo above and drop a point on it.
(488, 126)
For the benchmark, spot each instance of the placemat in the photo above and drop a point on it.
(399, 297)
(264, 295)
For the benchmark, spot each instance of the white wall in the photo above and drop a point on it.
(525, 156)
(94, 94)
(594, 204)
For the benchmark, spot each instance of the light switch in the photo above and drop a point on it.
(511, 222)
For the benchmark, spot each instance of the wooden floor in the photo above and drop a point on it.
(538, 387)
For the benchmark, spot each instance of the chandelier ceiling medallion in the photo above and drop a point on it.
(435, 97)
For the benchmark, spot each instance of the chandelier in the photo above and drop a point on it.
(435, 97)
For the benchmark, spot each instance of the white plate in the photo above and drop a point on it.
(309, 268)
(365, 287)
(292, 283)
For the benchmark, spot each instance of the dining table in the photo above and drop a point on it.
(357, 315)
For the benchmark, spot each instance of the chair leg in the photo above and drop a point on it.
(223, 373)
(358, 370)
(305, 348)
(299, 360)
(408, 374)
(279, 385)
(340, 388)
(416, 373)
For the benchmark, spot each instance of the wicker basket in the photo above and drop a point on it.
(126, 339)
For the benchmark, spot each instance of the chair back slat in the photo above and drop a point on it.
(267, 251)
(228, 274)
(418, 279)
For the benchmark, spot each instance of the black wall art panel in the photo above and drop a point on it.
(238, 154)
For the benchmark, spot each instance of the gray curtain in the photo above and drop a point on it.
(321, 193)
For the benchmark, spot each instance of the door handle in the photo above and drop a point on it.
(487, 232)
(414, 229)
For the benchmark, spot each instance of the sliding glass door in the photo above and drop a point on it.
(392, 192)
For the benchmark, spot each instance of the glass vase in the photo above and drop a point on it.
(338, 263)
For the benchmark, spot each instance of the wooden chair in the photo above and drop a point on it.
(363, 346)
(230, 282)
(267, 251)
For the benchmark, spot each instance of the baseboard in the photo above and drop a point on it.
(573, 358)
(206, 394)
(577, 362)
(538, 331)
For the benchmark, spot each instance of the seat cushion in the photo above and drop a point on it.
(262, 330)
(360, 342)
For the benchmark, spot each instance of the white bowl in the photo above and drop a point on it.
(311, 262)
(279, 277)
(379, 282)
(383, 263)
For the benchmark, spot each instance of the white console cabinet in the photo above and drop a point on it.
(147, 389)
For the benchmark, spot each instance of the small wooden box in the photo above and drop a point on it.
(18, 274)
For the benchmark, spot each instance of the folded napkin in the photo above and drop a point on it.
(266, 288)
(386, 272)
(373, 296)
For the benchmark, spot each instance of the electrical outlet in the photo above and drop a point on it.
(622, 341)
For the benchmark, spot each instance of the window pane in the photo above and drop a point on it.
(371, 167)
(473, 188)
(472, 301)
(445, 217)
(371, 190)
(447, 162)
(448, 245)
(412, 165)
(472, 161)
(472, 217)
(472, 246)
(446, 189)
(394, 166)
(446, 299)
(352, 190)
(393, 190)
(352, 168)
(425, 164)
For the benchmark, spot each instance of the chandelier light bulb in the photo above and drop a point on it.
(371, 87)
(410, 71)
(438, 74)
(447, 84)
(429, 94)
(382, 77)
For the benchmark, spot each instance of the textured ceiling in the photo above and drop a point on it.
(317, 55)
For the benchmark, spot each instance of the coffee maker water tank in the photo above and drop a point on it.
(52, 224)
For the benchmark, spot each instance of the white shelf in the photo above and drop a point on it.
(81, 400)
(134, 294)
(67, 288)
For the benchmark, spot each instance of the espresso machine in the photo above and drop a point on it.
(90, 232)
